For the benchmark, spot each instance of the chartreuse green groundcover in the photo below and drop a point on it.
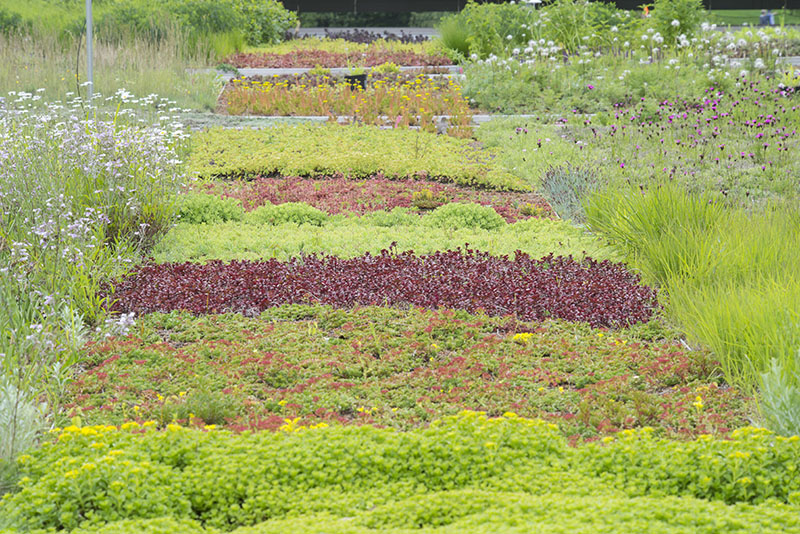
(465, 473)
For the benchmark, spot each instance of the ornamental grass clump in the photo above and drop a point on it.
(731, 274)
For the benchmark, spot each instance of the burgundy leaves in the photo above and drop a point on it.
(599, 293)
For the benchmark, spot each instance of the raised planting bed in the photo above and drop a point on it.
(362, 36)
(338, 195)
(396, 99)
(599, 293)
(371, 57)
(345, 151)
(402, 369)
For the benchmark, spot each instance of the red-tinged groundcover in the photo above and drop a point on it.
(599, 293)
(323, 58)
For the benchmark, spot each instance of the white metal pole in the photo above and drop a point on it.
(89, 42)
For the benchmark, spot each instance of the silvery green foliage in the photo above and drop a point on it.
(22, 418)
(780, 398)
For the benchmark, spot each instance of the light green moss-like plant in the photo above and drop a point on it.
(352, 151)
(353, 236)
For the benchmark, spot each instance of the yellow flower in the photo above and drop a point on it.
(282, 403)
(173, 427)
(522, 338)
(210, 427)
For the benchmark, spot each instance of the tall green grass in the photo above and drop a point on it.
(732, 275)
(30, 63)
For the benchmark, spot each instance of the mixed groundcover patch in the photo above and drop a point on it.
(583, 319)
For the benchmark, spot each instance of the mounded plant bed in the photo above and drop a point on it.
(331, 150)
(335, 196)
(599, 293)
(466, 473)
(401, 369)
(215, 228)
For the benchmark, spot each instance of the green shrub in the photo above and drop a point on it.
(386, 219)
(257, 21)
(490, 25)
(289, 212)
(458, 215)
(454, 35)
(10, 22)
(266, 21)
(688, 13)
(197, 208)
